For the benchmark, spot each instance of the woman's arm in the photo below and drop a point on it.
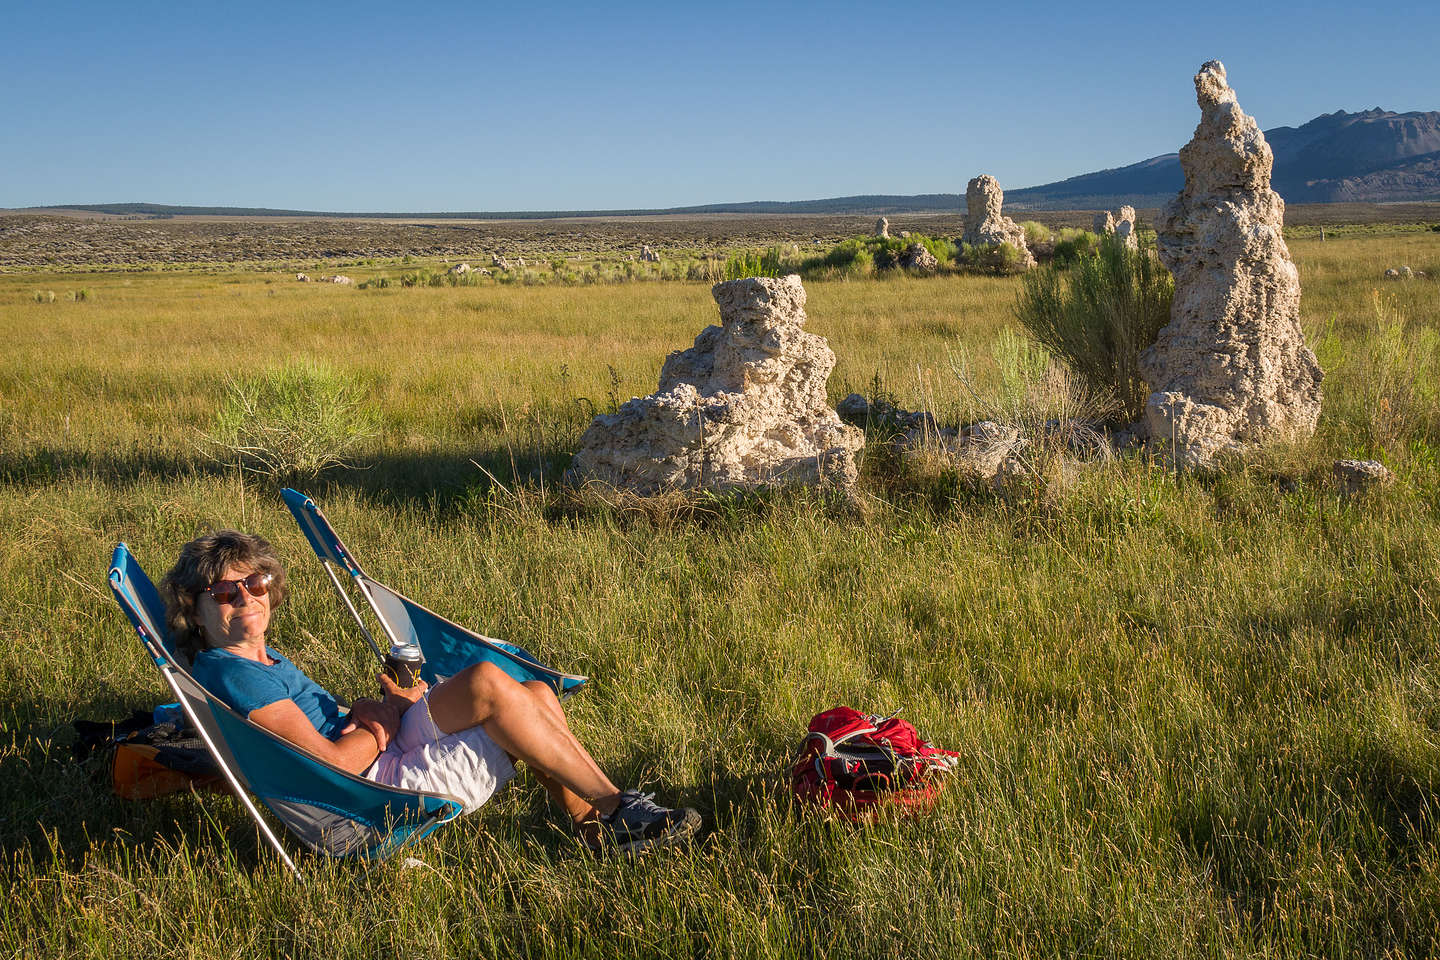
(353, 751)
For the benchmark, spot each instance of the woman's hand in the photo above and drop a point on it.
(403, 698)
(382, 720)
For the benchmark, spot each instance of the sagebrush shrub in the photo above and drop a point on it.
(1072, 244)
(1098, 316)
(291, 421)
(1036, 232)
(998, 258)
(755, 263)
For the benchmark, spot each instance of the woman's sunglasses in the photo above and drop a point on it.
(228, 591)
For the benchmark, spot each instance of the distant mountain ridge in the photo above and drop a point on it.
(1374, 156)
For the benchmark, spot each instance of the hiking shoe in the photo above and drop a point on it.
(639, 823)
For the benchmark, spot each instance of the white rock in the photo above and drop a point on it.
(302, 278)
(1104, 222)
(918, 258)
(744, 407)
(1125, 231)
(984, 223)
(1356, 475)
(460, 268)
(882, 228)
(1230, 369)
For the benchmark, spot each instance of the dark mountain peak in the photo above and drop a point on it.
(1374, 155)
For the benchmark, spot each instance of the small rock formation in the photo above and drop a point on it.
(1390, 274)
(916, 257)
(460, 268)
(985, 225)
(1121, 223)
(648, 255)
(1231, 368)
(1125, 227)
(882, 228)
(1356, 475)
(338, 278)
(745, 406)
(302, 278)
(498, 261)
(1406, 272)
(912, 425)
(1125, 230)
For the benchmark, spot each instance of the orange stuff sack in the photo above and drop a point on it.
(143, 771)
(145, 759)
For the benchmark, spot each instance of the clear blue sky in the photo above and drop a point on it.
(509, 106)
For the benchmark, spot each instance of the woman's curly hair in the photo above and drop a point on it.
(201, 563)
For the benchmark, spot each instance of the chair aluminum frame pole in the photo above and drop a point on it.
(168, 672)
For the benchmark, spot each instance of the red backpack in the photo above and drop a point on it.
(855, 763)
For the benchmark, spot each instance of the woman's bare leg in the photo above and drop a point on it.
(581, 811)
(528, 727)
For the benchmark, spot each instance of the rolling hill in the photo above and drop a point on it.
(1374, 156)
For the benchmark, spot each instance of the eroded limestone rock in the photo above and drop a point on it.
(882, 228)
(985, 225)
(1125, 230)
(1356, 476)
(918, 257)
(744, 407)
(1121, 223)
(1231, 368)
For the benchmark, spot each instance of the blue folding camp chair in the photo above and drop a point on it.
(331, 811)
(446, 646)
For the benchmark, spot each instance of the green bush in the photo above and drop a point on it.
(754, 263)
(942, 250)
(859, 256)
(1072, 244)
(997, 258)
(291, 421)
(1098, 316)
(1036, 232)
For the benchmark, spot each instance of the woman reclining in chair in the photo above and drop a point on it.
(459, 737)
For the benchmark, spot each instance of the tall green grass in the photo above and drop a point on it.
(1196, 718)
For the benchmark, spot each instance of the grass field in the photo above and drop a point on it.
(1197, 717)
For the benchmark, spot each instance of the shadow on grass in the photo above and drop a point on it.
(438, 478)
(45, 466)
(1258, 832)
(60, 807)
(446, 482)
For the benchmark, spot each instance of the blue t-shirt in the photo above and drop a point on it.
(247, 685)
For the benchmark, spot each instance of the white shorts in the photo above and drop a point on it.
(467, 765)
